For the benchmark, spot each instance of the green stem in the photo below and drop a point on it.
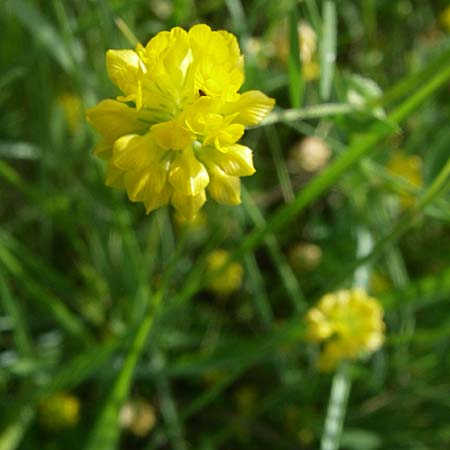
(105, 434)
(336, 410)
(340, 388)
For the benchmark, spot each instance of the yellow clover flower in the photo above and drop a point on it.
(408, 167)
(174, 131)
(61, 410)
(228, 280)
(349, 323)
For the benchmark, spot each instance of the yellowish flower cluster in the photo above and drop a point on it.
(307, 39)
(349, 323)
(137, 416)
(228, 280)
(174, 131)
(445, 18)
(59, 411)
(408, 167)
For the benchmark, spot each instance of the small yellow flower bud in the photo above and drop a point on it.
(309, 155)
(138, 417)
(59, 411)
(72, 107)
(408, 167)
(445, 18)
(304, 256)
(226, 281)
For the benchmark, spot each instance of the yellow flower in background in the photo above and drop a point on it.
(228, 280)
(307, 40)
(61, 410)
(445, 18)
(138, 417)
(304, 256)
(349, 323)
(408, 167)
(311, 154)
(174, 132)
(72, 107)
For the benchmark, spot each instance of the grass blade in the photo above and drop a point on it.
(294, 61)
(328, 48)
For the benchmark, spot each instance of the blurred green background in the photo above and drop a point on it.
(358, 167)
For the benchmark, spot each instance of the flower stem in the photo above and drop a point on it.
(336, 410)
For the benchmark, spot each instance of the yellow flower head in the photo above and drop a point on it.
(408, 167)
(72, 107)
(59, 411)
(175, 130)
(349, 323)
(445, 18)
(228, 280)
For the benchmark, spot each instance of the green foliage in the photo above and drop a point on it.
(105, 302)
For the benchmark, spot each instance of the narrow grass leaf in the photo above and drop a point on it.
(294, 61)
(41, 30)
(328, 48)
(105, 432)
(14, 310)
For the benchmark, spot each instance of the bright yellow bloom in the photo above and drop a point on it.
(408, 167)
(59, 411)
(175, 130)
(228, 280)
(349, 323)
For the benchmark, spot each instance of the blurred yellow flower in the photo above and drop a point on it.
(59, 411)
(228, 280)
(311, 154)
(304, 256)
(349, 323)
(72, 107)
(445, 18)
(307, 40)
(408, 167)
(174, 131)
(138, 417)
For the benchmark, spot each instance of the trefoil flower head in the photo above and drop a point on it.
(348, 323)
(174, 132)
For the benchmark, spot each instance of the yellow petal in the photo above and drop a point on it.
(123, 69)
(252, 106)
(170, 135)
(235, 57)
(154, 200)
(141, 184)
(134, 152)
(231, 134)
(113, 119)
(187, 175)
(103, 150)
(188, 205)
(224, 188)
(114, 176)
(236, 160)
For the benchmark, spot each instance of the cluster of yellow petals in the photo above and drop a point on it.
(61, 410)
(349, 323)
(174, 131)
(408, 167)
(228, 280)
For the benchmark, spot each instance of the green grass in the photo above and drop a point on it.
(100, 300)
